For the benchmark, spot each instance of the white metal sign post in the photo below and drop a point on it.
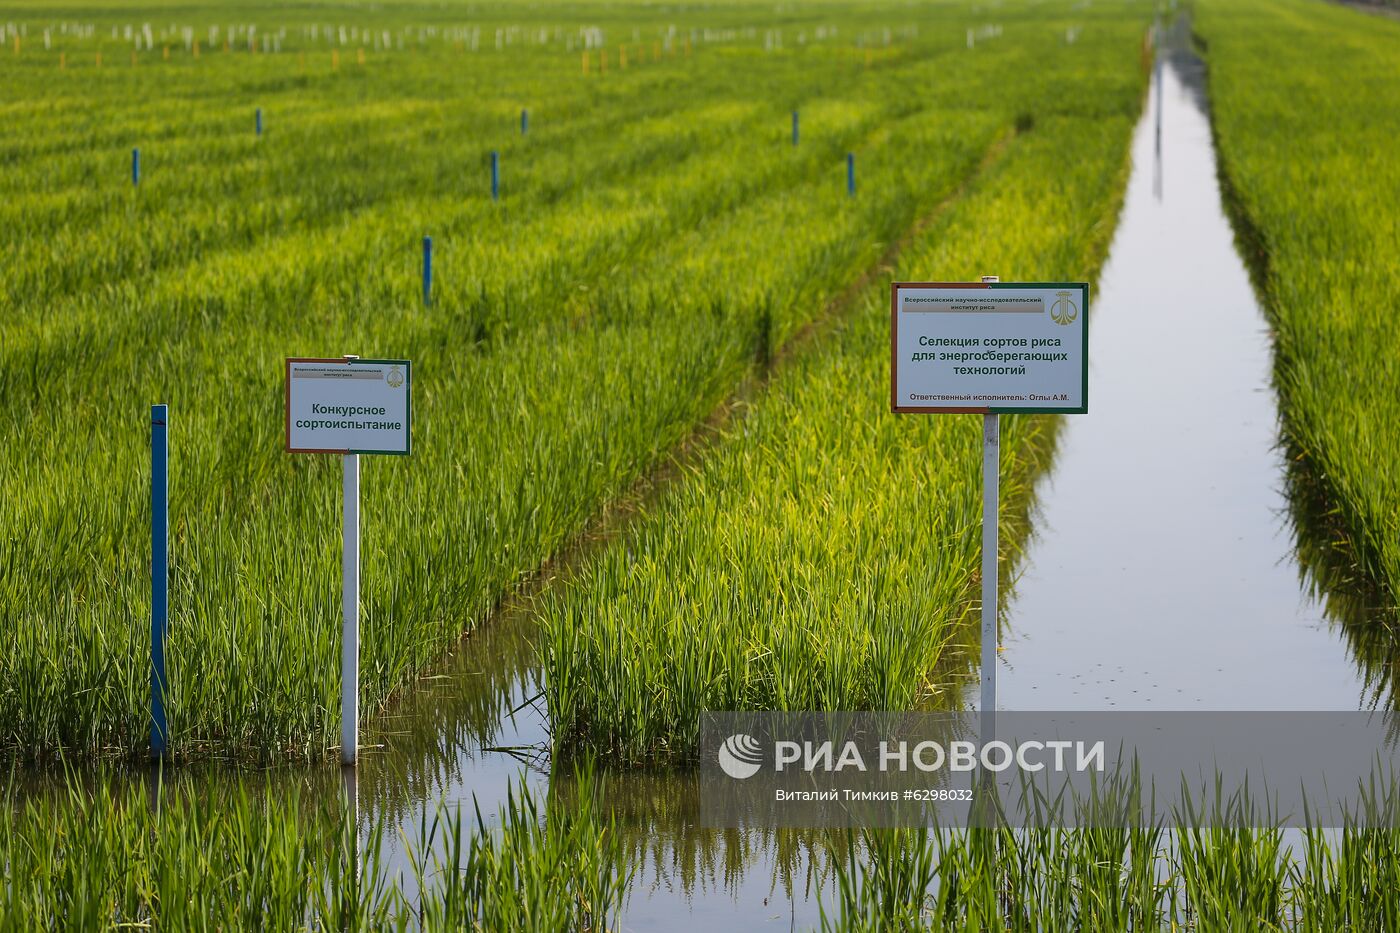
(349, 406)
(989, 348)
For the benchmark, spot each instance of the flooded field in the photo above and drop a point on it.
(1169, 566)
(1154, 579)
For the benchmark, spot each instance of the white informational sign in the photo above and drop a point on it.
(348, 406)
(990, 347)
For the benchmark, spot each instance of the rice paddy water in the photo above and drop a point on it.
(1161, 572)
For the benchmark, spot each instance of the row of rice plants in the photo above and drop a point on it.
(824, 555)
(1118, 879)
(172, 858)
(571, 344)
(1304, 102)
(90, 858)
(216, 187)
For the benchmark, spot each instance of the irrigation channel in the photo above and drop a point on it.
(1162, 573)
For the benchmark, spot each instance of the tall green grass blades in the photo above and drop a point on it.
(89, 858)
(98, 859)
(554, 867)
(823, 556)
(883, 879)
(658, 240)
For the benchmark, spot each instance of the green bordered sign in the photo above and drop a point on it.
(349, 406)
(990, 347)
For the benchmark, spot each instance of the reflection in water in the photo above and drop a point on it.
(1157, 111)
(1164, 572)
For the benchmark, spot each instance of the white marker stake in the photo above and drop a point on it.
(350, 599)
(991, 431)
(991, 448)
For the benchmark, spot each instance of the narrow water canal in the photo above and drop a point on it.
(1162, 573)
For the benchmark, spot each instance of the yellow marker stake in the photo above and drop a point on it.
(226, 46)
(165, 53)
(335, 59)
(195, 48)
(362, 56)
(16, 45)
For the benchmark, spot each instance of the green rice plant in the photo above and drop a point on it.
(105, 859)
(888, 884)
(125, 851)
(114, 855)
(560, 869)
(1232, 878)
(1347, 881)
(1114, 880)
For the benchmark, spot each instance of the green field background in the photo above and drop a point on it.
(658, 238)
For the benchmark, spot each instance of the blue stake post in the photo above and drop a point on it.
(160, 576)
(257, 120)
(495, 175)
(136, 166)
(427, 270)
(524, 122)
(851, 173)
(794, 127)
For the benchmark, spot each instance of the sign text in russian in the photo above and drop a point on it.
(348, 406)
(991, 347)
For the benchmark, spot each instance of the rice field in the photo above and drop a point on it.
(1302, 97)
(160, 855)
(164, 856)
(1117, 879)
(549, 381)
(653, 290)
(824, 556)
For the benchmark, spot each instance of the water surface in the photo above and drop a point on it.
(1162, 572)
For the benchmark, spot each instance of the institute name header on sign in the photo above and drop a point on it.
(349, 406)
(990, 347)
